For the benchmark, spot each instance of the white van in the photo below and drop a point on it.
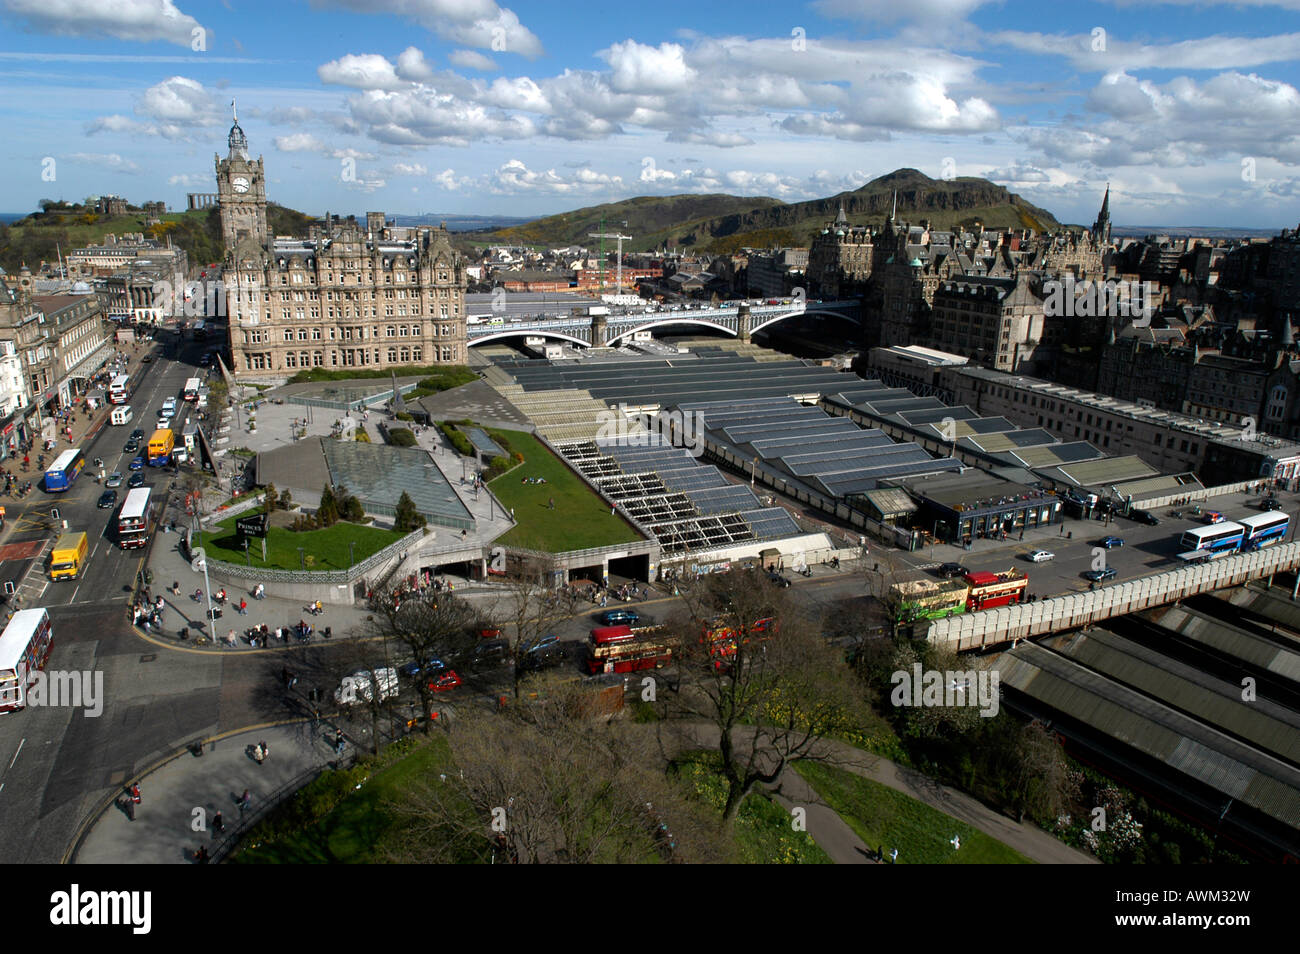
(169, 405)
(357, 687)
(121, 414)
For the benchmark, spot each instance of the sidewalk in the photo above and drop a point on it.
(162, 830)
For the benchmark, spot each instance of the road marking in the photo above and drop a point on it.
(20, 748)
(74, 593)
(43, 589)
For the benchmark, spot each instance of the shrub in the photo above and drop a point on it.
(404, 416)
(401, 437)
(458, 440)
(407, 518)
(361, 435)
(352, 509)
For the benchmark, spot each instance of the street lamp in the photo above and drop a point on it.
(302, 560)
(351, 558)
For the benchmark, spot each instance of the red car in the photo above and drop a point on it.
(444, 681)
(490, 634)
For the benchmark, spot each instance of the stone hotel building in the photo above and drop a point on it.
(345, 296)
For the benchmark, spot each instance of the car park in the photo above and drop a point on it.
(137, 463)
(107, 499)
(952, 569)
(1110, 542)
(1102, 575)
(114, 480)
(136, 480)
(1041, 556)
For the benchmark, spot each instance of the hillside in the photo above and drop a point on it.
(650, 220)
(702, 221)
(41, 235)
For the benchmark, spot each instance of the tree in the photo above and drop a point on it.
(352, 509)
(327, 514)
(531, 606)
(761, 694)
(270, 498)
(1046, 786)
(547, 781)
(429, 626)
(407, 518)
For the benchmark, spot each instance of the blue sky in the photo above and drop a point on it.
(1189, 109)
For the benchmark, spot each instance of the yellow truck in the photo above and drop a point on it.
(69, 555)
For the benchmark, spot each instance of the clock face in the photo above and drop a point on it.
(239, 184)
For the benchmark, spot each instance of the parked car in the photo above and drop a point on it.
(1144, 516)
(545, 643)
(1110, 542)
(107, 499)
(1213, 516)
(136, 480)
(137, 463)
(1041, 556)
(489, 654)
(1101, 576)
(1270, 503)
(619, 617)
(146, 359)
(952, 569)
(113, 480)
(778, 580)
(412, 669)
(444, 681)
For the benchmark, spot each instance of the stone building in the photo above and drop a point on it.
(344, 296)
(839, 259)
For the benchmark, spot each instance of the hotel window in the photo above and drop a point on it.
(317, 358)
(392, 355)
(417, 354)
(288, 334)
(401, 331)
(390, 332)
(415, 331)
(302, 334)
(290, 360)
(315, 334)
(405, 355)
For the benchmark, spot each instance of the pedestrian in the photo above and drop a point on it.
(266, 750)
(245, 801)
(135, 793)
(201, 856)
(218, 824)
(258, 754)
(243, 607)
(893, 856)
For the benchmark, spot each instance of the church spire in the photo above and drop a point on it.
(237, 141)
(1101, 228)
(841, 220)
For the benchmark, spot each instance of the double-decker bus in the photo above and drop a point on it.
(24, 649)
(927, 599)
(724, 642)
(1217, 538)
(988, 590)
(134, 518)
(119, 389)
(160, 447)
(191, 390)
(619, 649)
(1264, 529)
(65, 469)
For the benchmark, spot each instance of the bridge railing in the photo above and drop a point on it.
(1005, 624)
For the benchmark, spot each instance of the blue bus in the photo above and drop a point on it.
(1264, 529)
(64, 470)
(1215, 538)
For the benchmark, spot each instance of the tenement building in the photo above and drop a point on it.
(347, 295)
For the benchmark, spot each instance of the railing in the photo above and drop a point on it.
(1187, 495)
(268, 575)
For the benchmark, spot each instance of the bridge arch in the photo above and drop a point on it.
(660, 323)
(811, 310)
(529, 333)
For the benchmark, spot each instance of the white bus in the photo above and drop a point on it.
(24, 649)
(1218, 537)
(191, 390)
(119, 389)
(1264, 529)
(121, 414)
(133, 520)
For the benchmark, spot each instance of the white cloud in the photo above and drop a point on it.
(470, 60)
(515, 177)
(1216, 52)
(181, 101)
(408, 169)
(423, 115)
(450, 181)
(101, 160)
(476, 23)
(647, 69)
(411, 65)
(300, 142)
(190, 180)
(891, 11)
(363, 71)
(141, 21)
(723, 140)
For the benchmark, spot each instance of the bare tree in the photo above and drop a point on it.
(550, 781)
(531, 606)
(1045, 786)
(759, 683)
(431, 627)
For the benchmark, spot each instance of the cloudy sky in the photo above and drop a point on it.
(1189, 109)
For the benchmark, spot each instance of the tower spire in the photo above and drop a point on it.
(893, 213)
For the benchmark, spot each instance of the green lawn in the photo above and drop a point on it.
(580, 518)
(348, 832)
(326, 549)
(882, 816)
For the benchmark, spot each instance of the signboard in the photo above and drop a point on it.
(254, 526)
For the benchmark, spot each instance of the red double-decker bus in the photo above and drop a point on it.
(988, 590)
(620, 649)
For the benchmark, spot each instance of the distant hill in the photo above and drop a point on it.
(40, 236)
(723, 223)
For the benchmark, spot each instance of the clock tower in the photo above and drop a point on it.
(241, 192)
